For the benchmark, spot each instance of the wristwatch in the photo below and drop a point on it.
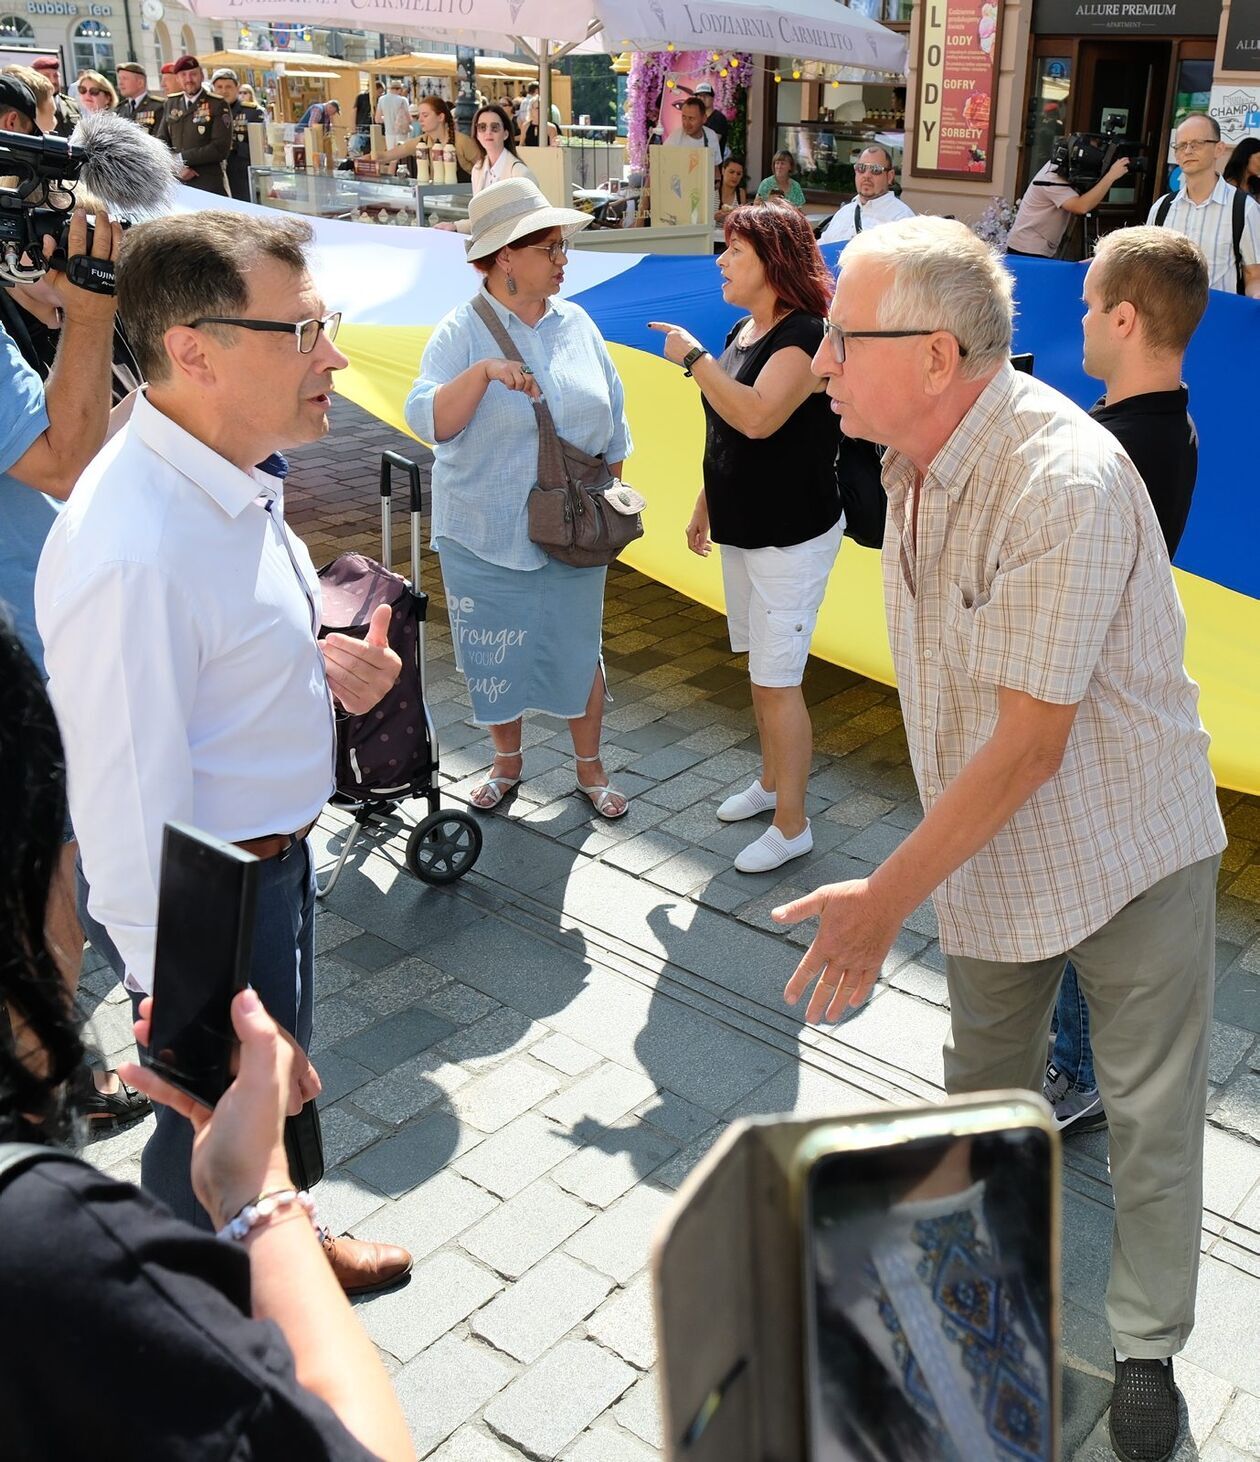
(692, 356)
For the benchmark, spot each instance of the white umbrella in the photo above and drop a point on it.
(810, 30)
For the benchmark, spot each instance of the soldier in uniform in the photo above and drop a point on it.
(197, 126)
(67, 109)
(227, 88)
(138, 104)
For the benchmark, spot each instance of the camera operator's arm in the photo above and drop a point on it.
(1087, 202)
(76, 395)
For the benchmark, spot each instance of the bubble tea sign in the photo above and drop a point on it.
(959, 51)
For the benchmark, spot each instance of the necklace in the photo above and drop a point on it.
(750, 335)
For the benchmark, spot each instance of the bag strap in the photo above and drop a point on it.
(551, 469)
(1240, 222)
(1161, 209)
(857, 218)
(16, 1157)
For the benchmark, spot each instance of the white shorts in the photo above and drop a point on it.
(772, 600)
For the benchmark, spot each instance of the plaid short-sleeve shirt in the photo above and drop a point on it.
(1040, 567)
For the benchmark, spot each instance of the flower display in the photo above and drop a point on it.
(995, 222)
(728, 71)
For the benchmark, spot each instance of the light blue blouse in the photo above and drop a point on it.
(482, 476)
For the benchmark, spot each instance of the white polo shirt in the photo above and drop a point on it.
(1210, 224)
(887, 208)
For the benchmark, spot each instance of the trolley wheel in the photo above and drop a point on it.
(443, 846)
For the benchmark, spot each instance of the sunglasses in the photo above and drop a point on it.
(92, 91)
(869, 167)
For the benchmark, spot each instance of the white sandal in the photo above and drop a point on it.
(600, 796)
(497, 787)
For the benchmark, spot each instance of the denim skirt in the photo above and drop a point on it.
(525, 639)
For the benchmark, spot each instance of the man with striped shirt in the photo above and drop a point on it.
(1203, 210)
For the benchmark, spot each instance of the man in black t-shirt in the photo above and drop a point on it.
(1136, 350)
(717, 122)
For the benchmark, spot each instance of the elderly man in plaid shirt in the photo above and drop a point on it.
(1069, 809)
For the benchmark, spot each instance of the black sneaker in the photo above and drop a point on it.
(1145, 1419)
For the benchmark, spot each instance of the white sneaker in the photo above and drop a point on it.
(753, 800)
(772, 850)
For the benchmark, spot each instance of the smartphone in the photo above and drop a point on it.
(205, 931)
(930, 1279)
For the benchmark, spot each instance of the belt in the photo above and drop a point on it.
(275, 845)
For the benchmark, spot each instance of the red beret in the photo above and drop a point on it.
(186, 63)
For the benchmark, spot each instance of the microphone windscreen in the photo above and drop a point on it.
(130, 172)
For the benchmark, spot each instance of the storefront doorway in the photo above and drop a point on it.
(1139, 88)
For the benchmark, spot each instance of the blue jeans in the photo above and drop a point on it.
(1072, 1053)
(282, 970)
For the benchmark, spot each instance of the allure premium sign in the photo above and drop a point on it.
(960, 46)
(1242, 37)
(1126, 17)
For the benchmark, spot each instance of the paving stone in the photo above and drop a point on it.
(369, 952)
(613, 1160)
(640, 1411)
(410, 1087)
(1229, 1046)
(1239, 1107)
(471, 1445)
(608, 1442)
(625, 1323)
(399, 1163)
(671, 1114)
(430, 1215)
(489, 1042)
(513, 1157)
(330, 976)
(543, 1410)
(399, 985)
(689, 870)
(603, 1096)
(917, 979)
(667, 762)
(1231, 1300)
(616, 1243)
(1238, 999)
(440, 1293)
(387, 1043)
(644, 852)
(332, 931)
(541, 1307)
(337, 1019)
(344, 1134)
(343, 1201)
(1240, 1425)
(493, 1100)
(681, 791)
(518, 1233)
(565, 1055)
(460, 1003)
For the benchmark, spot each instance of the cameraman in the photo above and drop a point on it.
(1046, 210)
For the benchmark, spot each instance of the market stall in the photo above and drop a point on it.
(290, 81)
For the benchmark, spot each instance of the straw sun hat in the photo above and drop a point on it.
(507, 211)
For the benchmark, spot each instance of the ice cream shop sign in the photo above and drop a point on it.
(959, 49)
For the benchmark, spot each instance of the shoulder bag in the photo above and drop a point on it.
(579, 513)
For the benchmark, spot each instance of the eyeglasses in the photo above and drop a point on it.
(836, 337)
(307, 331)
(1195, 146)
(869, 167)
(91, 91)
(555, 252)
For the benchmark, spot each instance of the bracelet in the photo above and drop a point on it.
(693, 356)
(260, 1209)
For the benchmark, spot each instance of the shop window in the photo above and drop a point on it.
(14, 28)
(187, 41)
(162, 40)
(1047, 109)
(92, 47)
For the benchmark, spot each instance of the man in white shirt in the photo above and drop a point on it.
(693, 132)
(179, 616)
(875, 203)
(1203, 209)
(394, 115)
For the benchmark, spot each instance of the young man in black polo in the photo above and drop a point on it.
(1137, 351)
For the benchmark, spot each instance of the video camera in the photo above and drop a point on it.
(118, 163)
(1084, 157)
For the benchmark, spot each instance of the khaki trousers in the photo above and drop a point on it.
(1147, 976)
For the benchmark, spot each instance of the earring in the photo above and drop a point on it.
(511, 285)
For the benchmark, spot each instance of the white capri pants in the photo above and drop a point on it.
(772, 600)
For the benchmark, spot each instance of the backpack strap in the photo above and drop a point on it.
(1240, 222)
(16, 1157)
(857, 219)
(1161, 210)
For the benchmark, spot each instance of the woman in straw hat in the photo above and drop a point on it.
(526, 627)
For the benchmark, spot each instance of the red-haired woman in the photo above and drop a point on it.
(770, 497)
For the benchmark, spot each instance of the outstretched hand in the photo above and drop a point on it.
(678, 342)
(360, 672)
(855, 932)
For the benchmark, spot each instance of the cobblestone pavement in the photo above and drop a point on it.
(520, 1069)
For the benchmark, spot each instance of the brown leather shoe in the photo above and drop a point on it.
(362, 1267)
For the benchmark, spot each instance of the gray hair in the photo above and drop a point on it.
(174, 270)
(943, 278)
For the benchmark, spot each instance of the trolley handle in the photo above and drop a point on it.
(404, 464)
